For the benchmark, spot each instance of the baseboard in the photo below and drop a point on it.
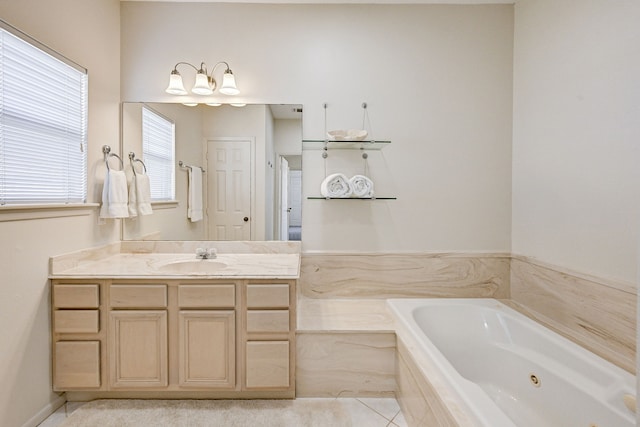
(47, 410)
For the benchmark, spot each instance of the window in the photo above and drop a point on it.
(43, 124)
(158, 148)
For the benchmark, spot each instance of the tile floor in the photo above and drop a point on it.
(370, 412)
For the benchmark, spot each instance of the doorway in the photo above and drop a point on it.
(290, 189)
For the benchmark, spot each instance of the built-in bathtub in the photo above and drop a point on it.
(492, 366)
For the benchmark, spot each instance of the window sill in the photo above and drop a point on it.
(165, 204)
(27, 212)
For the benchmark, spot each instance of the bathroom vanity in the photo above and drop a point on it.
(159, 324)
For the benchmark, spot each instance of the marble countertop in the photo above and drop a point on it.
(183, 265)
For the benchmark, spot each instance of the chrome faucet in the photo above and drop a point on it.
(206, 253)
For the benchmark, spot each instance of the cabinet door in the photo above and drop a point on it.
(267, 365)
(207, 349)
(138, 349)
(77, 365)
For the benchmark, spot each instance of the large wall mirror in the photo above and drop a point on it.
(252, 181)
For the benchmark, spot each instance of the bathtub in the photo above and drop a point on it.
(503, 369)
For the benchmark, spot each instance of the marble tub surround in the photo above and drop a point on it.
(597, 314)
(150, 259)
(426, 402)
(345, 348)
(345, 364)
(343, 315)
(399, 275)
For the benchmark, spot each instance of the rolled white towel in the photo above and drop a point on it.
(336, 185)
(361, 186)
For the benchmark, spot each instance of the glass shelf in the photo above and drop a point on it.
(319, 144)
(350, 198)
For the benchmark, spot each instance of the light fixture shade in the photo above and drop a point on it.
(202, 87)
(229, 84)
(176, 87)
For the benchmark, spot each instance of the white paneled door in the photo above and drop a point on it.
(229, 189)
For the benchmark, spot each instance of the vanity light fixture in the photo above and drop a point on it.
(205, 84)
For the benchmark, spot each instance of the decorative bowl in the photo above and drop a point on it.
(347, 135)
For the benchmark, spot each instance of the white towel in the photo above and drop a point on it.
(361, 185)
(194, 205)
(114, 195)
(140, 196)
(336, 185)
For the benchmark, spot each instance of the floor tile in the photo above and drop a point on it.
(362, 415)
(400, 421)
(387, 407)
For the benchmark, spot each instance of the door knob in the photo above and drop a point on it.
(245, 219)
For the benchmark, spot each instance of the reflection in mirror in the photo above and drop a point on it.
(252, 180)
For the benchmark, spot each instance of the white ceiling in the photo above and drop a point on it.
(286, 111)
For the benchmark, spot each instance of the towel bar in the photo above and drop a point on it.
(183, 165)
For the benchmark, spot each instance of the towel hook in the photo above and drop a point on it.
(132, 158)
(106, 151)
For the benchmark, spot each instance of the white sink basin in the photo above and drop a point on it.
(191, 266)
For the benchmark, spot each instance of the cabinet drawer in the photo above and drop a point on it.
(267, 296)
(267, 364)
(77, 364)
(76, 296)
(138, 296)
(207, 296)
(268, 321)
(75, 321)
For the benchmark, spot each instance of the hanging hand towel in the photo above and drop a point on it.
(194, 208)
(140, 196)
(336, 185)
(114, 195)
(361, 186)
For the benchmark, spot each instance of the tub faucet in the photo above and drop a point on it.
(206, 253)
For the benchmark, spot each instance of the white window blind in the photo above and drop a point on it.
(43, 124)
(158, 147)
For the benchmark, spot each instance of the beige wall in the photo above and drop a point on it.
(437, 80)
(576, 180)
(87, 33)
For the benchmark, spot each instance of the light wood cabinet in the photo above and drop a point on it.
(207, 349)
(267, 364)
(270, 336)
(138, 349)
(67, 295)
(77, 364)
(191, 338)
(76, 321)
(77, 336)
